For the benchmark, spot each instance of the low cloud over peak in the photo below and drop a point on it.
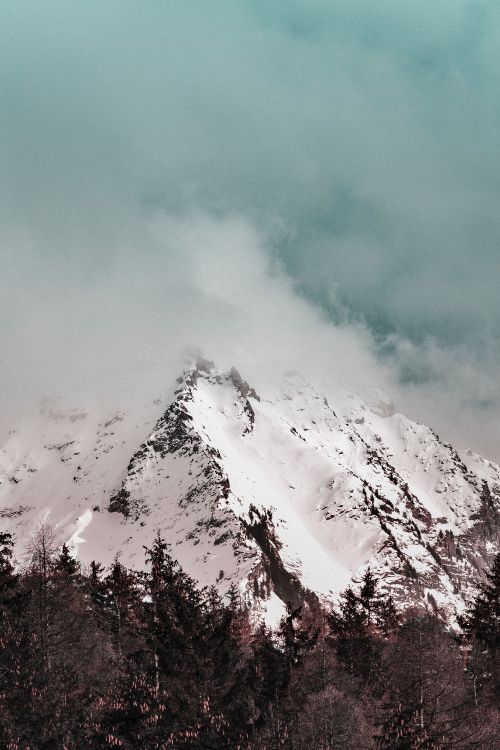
(310, 181)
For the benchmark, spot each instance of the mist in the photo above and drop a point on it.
(309, 185)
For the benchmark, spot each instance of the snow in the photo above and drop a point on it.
(81, 524)
(327, 474)
(273, 610)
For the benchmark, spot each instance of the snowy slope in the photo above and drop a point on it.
(287, 495)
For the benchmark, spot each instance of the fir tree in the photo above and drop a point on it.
(65, 564)
(482, 620)
(368, 594)
(11, 640)
(9, 580)
(351, 636)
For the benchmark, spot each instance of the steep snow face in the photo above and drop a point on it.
(288, 496)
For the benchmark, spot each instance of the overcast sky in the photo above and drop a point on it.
(293, 182)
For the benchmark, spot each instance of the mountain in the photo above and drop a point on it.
(287, 495)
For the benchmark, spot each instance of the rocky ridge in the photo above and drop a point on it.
(288, 497)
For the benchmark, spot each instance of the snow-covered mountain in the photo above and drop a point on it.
(289, 496)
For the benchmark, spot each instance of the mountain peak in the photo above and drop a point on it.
(287, 497)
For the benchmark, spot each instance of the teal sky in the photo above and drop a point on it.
(360, 140)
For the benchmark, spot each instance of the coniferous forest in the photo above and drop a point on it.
(124, 659)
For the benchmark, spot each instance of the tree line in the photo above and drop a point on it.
(116, 658)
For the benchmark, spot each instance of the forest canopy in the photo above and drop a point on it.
(119, 658)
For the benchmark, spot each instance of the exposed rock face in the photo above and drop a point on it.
(286, 497)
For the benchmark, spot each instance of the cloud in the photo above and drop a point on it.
(279, 177)
(201, 282)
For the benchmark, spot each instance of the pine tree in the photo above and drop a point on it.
(226, 671)
(97, 589)
(481, 627)
(268, 672)
(59, 659)
(118, 611)
(122, 601)
(9, 580)
(66, 564)
(429, 702)
(350, 631)
(387, 617)
(368, 594)
(11, 639)
(174, 637)
(482, 620)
